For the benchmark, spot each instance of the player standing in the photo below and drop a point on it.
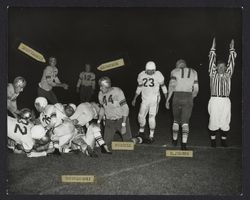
(116, 111)
(149, 83)
(13, 91)
(184, 85)
(219, 106)
(50, 80)
(86, 84)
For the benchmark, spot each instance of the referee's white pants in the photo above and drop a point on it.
(219, 109)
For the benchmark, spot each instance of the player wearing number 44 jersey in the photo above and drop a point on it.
(116, 111)
(149, 83)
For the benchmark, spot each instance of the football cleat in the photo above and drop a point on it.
(224, 143)
(57, 152)
(174, 142)
(213, 143)
(183, 146)
(90, 152)
(104, 149)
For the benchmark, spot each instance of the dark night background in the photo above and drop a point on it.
(96, 35)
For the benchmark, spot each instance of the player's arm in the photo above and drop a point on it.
(93, 84)
(11, 104)
(162, 85)
(138, 90)
(195, 85)
(231, 59)
(101, 111)
(212, 59)
(79, 82)
(171, 88)
(124, 106)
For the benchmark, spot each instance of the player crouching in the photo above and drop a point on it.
(82, 115)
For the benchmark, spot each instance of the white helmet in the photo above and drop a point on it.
(72, 106)
(38, 132)
(41, 101)
(150, 66)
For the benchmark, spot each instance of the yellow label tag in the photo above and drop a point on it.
(179, 153)
(31, 52)
(78, 178)
(111, 65)
(122, 146)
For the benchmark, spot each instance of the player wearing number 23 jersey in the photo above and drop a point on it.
(149, 83)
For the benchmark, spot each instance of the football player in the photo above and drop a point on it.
(82, 115)
(13, 91)
(115, 109)
(86, 84)
(53, 118)
(184, 85)
(24, 137)
(50, 80)
(149, 82)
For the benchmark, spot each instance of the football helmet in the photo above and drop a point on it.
(26, 114)
(41, 101)
(150, 65)
(105, 82)
(19, 82)
(181, 63)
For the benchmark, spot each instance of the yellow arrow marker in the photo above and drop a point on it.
(31, 52)
(111, 65)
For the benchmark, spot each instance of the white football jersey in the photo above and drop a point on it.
(150, 84)
(53, 111)
(19, 131)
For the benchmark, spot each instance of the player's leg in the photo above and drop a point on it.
(186, 113)
(177, 119)
(109, 131)
(225, 121)
(144, 108)
(93, 137)
(128, 135)
(153, 110)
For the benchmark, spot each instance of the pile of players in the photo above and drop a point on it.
(60, 128)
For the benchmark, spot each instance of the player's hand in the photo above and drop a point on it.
(65, 86)
(75, 121)
(167, 105)
(133, 102)
(214, 44)
(232, 44)
(123, 130)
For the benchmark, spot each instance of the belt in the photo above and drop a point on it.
(223, 96)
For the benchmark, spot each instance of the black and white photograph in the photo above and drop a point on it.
(124, 101)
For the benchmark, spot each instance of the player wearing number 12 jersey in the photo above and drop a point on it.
(149, 83)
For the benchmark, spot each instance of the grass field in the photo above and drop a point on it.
(144, 171)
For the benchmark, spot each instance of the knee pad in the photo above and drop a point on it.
(141, 120)
(185, 128)
(175, 127)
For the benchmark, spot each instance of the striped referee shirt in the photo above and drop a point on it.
(220, 84)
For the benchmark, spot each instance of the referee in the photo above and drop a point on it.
(219, 106)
